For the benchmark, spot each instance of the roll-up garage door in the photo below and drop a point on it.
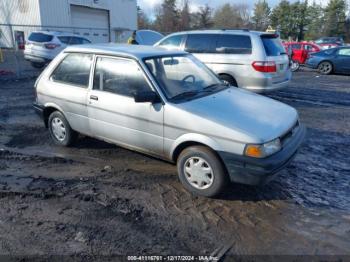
(90, 23)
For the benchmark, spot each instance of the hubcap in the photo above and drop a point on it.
(325, 68)
(58, 129)
(295, 65)
(198, 173)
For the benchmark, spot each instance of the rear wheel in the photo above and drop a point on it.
(61, 132)
(227, 79)
(325, 68)
(201, 171)
(37, 65)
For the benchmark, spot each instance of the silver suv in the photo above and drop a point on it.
(170, 105)
(43, 46)
(253, 60)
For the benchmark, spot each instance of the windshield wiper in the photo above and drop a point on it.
(213, 87)
(185, 95)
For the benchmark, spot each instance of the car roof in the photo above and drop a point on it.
(135, 51)
(223, 31)
(57, 33)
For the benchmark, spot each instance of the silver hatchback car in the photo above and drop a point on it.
(247, 59)
(170, 105)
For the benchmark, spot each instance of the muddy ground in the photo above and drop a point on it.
(98, 199)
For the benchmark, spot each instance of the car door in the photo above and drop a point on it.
(342, 60)
(114, 115)
(69, 88)
(297, 53)
(307, 49)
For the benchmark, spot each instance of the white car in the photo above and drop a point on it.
(169, 105)
(43, 46)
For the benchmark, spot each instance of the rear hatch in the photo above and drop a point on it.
(39, 44)
(277, 54)
(148, 37)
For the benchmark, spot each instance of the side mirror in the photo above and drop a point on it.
(146, 96)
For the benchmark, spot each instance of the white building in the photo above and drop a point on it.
(97, 20)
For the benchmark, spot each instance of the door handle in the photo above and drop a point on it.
(94, 97)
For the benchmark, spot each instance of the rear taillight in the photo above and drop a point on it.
(51, 46)
(265, 66)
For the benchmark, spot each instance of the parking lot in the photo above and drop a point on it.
(98, 199)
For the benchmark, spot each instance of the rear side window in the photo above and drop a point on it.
(40, 37)
(64, 39)
(78, 41)
(201, 43)
(85, 41)
(74, 69)
(308, 47)
(344, 51)
(173, 41)
(119, 76)
(296, 46)
(273, 45)
(234, 44)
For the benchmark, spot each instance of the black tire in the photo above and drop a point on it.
(218, 175)
(58, 119)
(37, 65)
(228, 79)
(295, 66)
(325, 68)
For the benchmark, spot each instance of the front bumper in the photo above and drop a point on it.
(257, 171)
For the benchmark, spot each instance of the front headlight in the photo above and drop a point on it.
(263, 150)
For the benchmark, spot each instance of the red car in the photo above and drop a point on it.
(301, 52)
(329, 42)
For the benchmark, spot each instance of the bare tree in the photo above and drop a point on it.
(228, 16)
(203, 19)
(167, 17)
(185, 16)
(143, 22)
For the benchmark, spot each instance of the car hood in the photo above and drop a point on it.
(238, 115)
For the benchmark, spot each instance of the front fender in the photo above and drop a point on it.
(197, 138)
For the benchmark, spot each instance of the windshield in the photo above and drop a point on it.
(183, 77)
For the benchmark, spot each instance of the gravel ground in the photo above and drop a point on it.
(96, 199)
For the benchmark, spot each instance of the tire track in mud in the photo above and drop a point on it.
(342, 100)
(143, 197)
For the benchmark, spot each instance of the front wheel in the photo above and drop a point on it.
(61, 132)
(294, 66)
(325, 68)
(201, 171)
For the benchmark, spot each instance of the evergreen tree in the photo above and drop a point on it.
(167, 17)
(315, 27)
(261, 15)
(283, 19)
(228, 17)
(335, 18)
